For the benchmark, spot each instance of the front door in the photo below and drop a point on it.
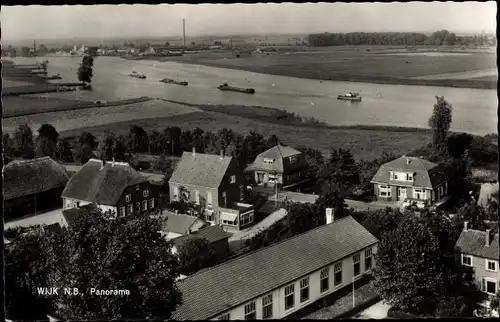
(401, 193)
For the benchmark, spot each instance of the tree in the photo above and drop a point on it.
(45, 147)
(473, 213)
(458, 144)
(89, 139)
(440, 123)
(172, 138)
(211, 143)
(8, 145)
(194, 254)
(23, 139)
(492, 207)
(155, 142)
(409, 271)
(186, 141)
(49, 132)
(342, 170)
(120, 149)
(63, 151)
(198, 141)
(302, 217)
(332, 197)
(137, 140)
(107, 145)
(315, 162)
(119, 254)
(255, 145)
(85, 72)
(225, 136)
(380, 221)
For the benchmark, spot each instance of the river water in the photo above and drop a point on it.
(474, 110)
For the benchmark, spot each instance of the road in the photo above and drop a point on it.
(45, 218)
(151, 176)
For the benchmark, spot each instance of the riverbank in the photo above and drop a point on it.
(344, 63)
(23, 106)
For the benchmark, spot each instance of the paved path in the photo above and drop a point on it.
(46, 218)
(377, 311)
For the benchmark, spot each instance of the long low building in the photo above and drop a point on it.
(278, 280)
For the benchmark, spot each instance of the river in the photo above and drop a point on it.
(474, 110)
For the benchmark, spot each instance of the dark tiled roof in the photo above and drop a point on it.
(204, 170)
(473, 242)
(179, 223)
(428, 174)
(100, 184)
(217, 289)
(277, 153)
(211, 233)
(28, 177)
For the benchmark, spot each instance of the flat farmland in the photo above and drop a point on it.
(18, 106)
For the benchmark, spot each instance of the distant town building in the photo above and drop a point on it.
(411, 180)
(32, 185)
(216, 184)
(478, 251)
(111, 186)
(277, 281)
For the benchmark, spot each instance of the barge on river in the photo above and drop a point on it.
(350, 97)
(137, 75)
(173, 81)
(226, 87)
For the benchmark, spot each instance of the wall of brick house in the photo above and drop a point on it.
(278, 294)
(137, 195)
(232, 189)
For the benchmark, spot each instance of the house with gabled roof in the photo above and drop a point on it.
(32, 185)
(178, 225)
(282, 165)
(411, 179)
(111, 186)
(215, 184)
(478, 251)
(218, 238)
(279, 280)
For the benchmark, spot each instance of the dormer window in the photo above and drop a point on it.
(409, 177)
(233, 179)
(268, 160)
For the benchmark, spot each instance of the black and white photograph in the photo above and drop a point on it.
(256, 161)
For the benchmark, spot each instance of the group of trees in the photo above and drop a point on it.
(95, 252)
(438, 38)
(85, 72)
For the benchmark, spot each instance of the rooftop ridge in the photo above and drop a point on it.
(265, 248)
(28, 161)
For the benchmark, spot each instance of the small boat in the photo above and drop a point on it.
(173, 81)
(226, 87)
(350, 97)
(57, 76)
(137, 75)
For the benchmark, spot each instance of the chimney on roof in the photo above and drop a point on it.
(194, 150)
(488, 237)
(221, 154)
(330, 215)
(466, 223)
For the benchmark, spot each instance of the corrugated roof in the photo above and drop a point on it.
(212, 234)
(277, 153)
(428, 174)
(204, 170)
(179, 223)
(102, 184)
(218, 289)
(473, 242)
(27, 177)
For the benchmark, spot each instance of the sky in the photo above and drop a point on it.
(107, 21)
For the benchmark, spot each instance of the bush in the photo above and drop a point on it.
(399, 314)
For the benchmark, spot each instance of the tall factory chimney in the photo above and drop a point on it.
(184, 32)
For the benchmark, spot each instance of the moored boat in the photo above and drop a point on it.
(52, 77)
(226, 87)
(350, 97)
(173, 81)
(137, 75)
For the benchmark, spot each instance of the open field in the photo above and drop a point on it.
(364, 144)
(354, 63)
(77, 120)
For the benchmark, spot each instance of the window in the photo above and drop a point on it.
(293, 159)
(122, 211)
(409, 177)
(225, 317)
(418, 193)
(368, 259)
(145, 193)
(209, 198)
(466, 260)
(137, 187)
(128, 198)
(304, 289)
(269, 161)
(289, 296)
(233, 179)
(337, 272)
(357, 265)
(394, 176)
(138, 206)
(151, 203)
(224, 199)
(197, 197)
(78, 204)
(144, 205)
(491, 265)
(384, 191)
(323, 282)
(250, 311)
(267, 307)
(246, 219)
(130, 208)
(489, 286)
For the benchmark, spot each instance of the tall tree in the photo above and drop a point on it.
(137, 140)
(106, 147)
(342, 170)
(256, 144)
(63, 151)
(440, 122)
(23, 138)
(225, 136)
(85, 71)
(194, 254)
(172, 140)
(117, 254)
(332, 197)
(155, 142)
(315, 162)
(198, 141)
(87, 138)
(186, 141)
(49, 132)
